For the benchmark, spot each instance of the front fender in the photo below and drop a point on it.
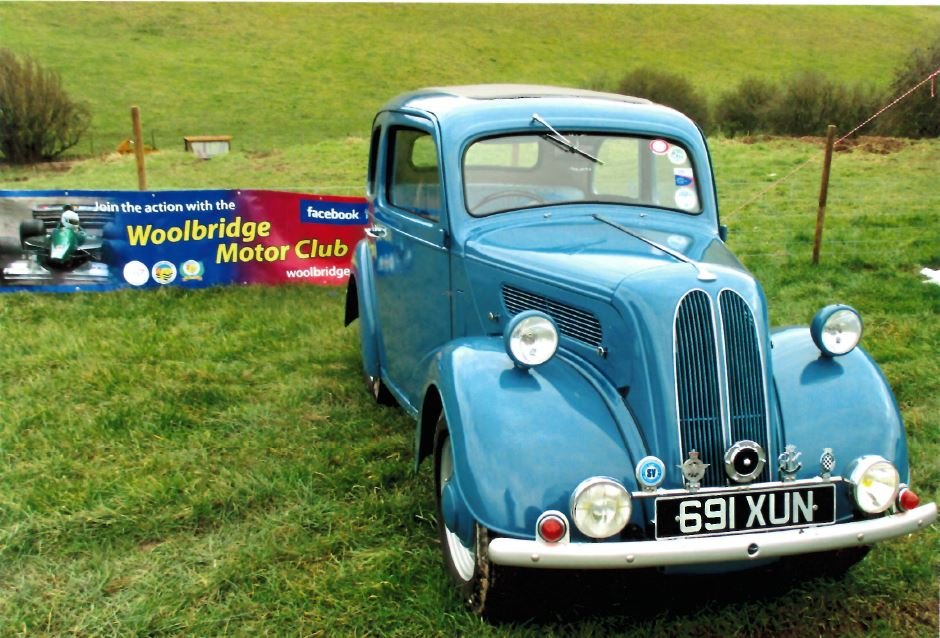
(524, 439)
(843, 403)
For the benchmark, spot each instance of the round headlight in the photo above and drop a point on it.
(836, 330)
(531, 338)
(600, 507)
(876, 483)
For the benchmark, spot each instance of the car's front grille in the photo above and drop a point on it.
(699, 399)
(709, 376)
(572, 322)
(746, 406)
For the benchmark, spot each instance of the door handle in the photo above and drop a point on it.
(376, 232)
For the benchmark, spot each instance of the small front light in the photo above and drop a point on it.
(531, 338)
(876, 483)
(600, 507)
(908, 500)
(836, 330)
(552, 527)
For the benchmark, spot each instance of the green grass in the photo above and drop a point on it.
(280, 75)
(207, 463)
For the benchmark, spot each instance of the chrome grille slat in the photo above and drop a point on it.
(700, 375)
(572, 322)
(697, 388)
(746, 404)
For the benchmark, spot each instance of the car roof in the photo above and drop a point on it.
(467, 103)
(517, 91)
(451, 96)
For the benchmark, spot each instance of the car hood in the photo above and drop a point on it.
(617, 301)
(585, 252)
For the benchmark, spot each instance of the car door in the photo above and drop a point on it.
(411, 254)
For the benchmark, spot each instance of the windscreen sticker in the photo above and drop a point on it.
(677, 155)
(686, 199)
(659, 147)
(684, 176)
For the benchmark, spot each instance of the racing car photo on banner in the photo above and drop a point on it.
(56, 243)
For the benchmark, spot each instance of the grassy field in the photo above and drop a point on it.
(281, 75)
(207, 463)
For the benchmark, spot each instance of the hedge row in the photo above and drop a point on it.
(803, 104)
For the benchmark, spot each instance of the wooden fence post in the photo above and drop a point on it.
(139, 149)
(823, 192)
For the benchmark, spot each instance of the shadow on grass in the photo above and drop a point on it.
(641, 596)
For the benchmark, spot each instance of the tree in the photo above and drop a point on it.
(38, 119)
(668, 89)
(917, 115)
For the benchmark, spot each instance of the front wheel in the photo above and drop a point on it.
(481, 586)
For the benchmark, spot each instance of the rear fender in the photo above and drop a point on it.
(843, 403)
(360, 304)
(524, 439)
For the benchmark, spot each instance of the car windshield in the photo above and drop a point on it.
(524, 171)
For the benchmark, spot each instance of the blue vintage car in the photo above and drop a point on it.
(545, 287)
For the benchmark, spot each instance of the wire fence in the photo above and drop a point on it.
(883, 205)
(884, 214)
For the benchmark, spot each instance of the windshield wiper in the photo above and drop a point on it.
(564, 141)
(704, 274)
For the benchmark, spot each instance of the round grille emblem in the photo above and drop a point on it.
(650, 472)
(744, 461)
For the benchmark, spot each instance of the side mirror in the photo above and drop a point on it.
(722, 232)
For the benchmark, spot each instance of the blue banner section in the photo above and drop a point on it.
(99, 240)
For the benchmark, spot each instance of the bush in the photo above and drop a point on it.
(38, 120)
(668, 89)
(745, 109)
(918, 115)
(810, 101)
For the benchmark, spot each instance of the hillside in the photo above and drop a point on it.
(282, 75)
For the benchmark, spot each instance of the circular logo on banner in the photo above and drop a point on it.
(136, 273)
(192, 269)
(650, 472)
(164, 272)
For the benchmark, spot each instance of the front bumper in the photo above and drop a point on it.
(711, 549)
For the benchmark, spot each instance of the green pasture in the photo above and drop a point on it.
(281, 75)
(208, 463)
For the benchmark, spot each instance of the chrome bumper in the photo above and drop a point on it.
(711, 549)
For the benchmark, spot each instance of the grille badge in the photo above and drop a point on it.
(650, 473)
(744, 461)
(693, 470)
(827, 463)
(789, 463)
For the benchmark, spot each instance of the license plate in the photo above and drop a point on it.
(737, 512)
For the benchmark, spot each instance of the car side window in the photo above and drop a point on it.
(414, 183)
(373, 159)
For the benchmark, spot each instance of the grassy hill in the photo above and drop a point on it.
(205, 463)
(282, 75)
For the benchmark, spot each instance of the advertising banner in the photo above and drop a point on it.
(100, 240)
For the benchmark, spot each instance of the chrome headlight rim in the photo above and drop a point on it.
(837, 329)
(600, 493)
(875, 484)
(531, 339)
